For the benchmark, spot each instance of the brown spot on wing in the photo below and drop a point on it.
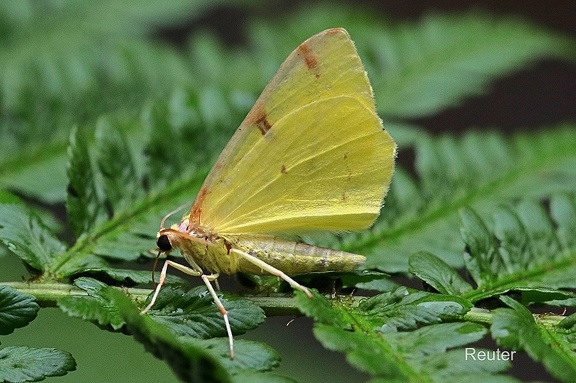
(263, 124)
(309, 58)
(283, 169)
(196, 210)
(257, 117)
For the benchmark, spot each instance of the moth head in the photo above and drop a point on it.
(172, 237)
(167, 239)
(163, 242)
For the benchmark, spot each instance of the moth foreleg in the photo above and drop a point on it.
(196, 272)
(177, 266)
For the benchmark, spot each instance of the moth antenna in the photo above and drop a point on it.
(170, 214)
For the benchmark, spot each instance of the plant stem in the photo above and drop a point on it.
(479, 315)
(49, 293)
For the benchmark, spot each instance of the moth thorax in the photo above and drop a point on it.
(183, 226)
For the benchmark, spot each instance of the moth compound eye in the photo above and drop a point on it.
(163, 243)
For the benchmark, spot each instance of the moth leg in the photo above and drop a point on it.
(207, 279)
(195, 271)
(185, 269)
(272, 270)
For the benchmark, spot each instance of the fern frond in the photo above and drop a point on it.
(106, 65)
(472, 170)
(416, 69)
(553, 346)
(22, 363)
(184, 327)
(66, 63)
(424, 68)
(405, 332)
(524, 252)
(152, 119)
(522, 249)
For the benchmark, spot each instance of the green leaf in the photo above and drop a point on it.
(119, 226)
(184, 314)
(66, 64)
(542, 294)
(7, 197)
(515, 327)
(473, 170)
(25, 364)
(124, 243)
(118, 212)
(514, 257)
(25, 235)
(526, 251)
(361, 350)
(193, 313)
(401, 310)
(480, 247)
(16, 309)
(39, 172)
(188, 359)
(372, 335)
(97, 307)
(194, 359)
(437, 339)
(128, 277)
(83, 202)
(248, 355)
(568, 322)
(120, 175)
(438, 274)
(563, 213)
(475, 370)
(438, 61)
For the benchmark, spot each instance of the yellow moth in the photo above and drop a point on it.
(312, 155)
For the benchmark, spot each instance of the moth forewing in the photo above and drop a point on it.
(312, 154)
